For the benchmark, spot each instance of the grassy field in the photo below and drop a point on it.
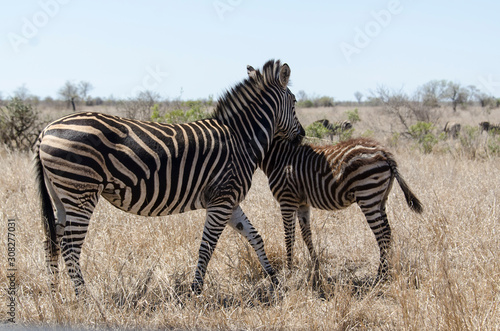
(445, 263)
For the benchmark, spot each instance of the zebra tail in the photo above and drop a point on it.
(48, 218)
(411, 199)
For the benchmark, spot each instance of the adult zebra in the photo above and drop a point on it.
(330, 178)
(156, 169)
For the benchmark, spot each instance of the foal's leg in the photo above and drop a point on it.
(304, 216)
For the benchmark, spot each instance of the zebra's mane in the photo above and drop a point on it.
(350, 142)
(252, 86)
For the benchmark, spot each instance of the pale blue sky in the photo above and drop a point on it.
(334, 48)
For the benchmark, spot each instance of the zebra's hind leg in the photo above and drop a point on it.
(54, 215)
(77, 221)
(239, 221)
(379, 224)
(304, 216)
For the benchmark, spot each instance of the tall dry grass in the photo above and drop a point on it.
(444, 276)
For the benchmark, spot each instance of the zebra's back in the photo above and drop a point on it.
(140, 167)
(326, 177)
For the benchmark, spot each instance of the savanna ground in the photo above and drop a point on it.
(445, 271)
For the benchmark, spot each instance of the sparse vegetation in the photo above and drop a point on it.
(139, 269)
(19, 125)
(422, 133)
(187, 112)
(305, 101)
(444, 262)
(316, 130)
(353, 116)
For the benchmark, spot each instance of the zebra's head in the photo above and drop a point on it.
(276, 76)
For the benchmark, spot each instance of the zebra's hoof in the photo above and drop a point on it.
(196, 287)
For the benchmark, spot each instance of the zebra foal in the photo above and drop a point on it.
(331, 178)
(156, 169)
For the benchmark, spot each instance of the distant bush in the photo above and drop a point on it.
(190, 111)
(323, 101)
(19, 125)
(316, 130)
(346, 134)
(141, 106)
(493, 144)
(353, 116)
(422, 132)
(305, 104)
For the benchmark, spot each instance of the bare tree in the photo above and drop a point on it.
(358, 95)
(433, 93)
(84, 88)
(301, 95)
(22, 93)
(141, 106)
(69, 93)
(456, 94)
(407, 110)
(472, 93)
(485, 100)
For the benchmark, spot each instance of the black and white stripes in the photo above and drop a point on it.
(330, 178)
(155, 169)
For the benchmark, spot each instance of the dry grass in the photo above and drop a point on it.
(445, 266)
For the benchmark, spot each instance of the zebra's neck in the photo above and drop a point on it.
(248, 112)
(277, 151)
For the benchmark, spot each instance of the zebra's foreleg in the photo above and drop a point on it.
(239, 221)
(288, 213)
(215, 222)
(304, 216)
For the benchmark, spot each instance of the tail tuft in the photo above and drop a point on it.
(411, 199)
(48, 218)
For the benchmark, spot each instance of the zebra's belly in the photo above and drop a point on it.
(149, 201)
(328, 202)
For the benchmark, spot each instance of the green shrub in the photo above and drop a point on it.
(155, 113)
(305, 104)
(422, 133)
(324, 102)
(19, 125)
(394, 140)
(493, 145)
(190, 111)
(316, 130)
(353, 116)
(346, 134)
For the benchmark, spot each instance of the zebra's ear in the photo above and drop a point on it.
(284, 75)
(252, 73)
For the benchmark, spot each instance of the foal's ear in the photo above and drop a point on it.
(285, 75)
(252, 73)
